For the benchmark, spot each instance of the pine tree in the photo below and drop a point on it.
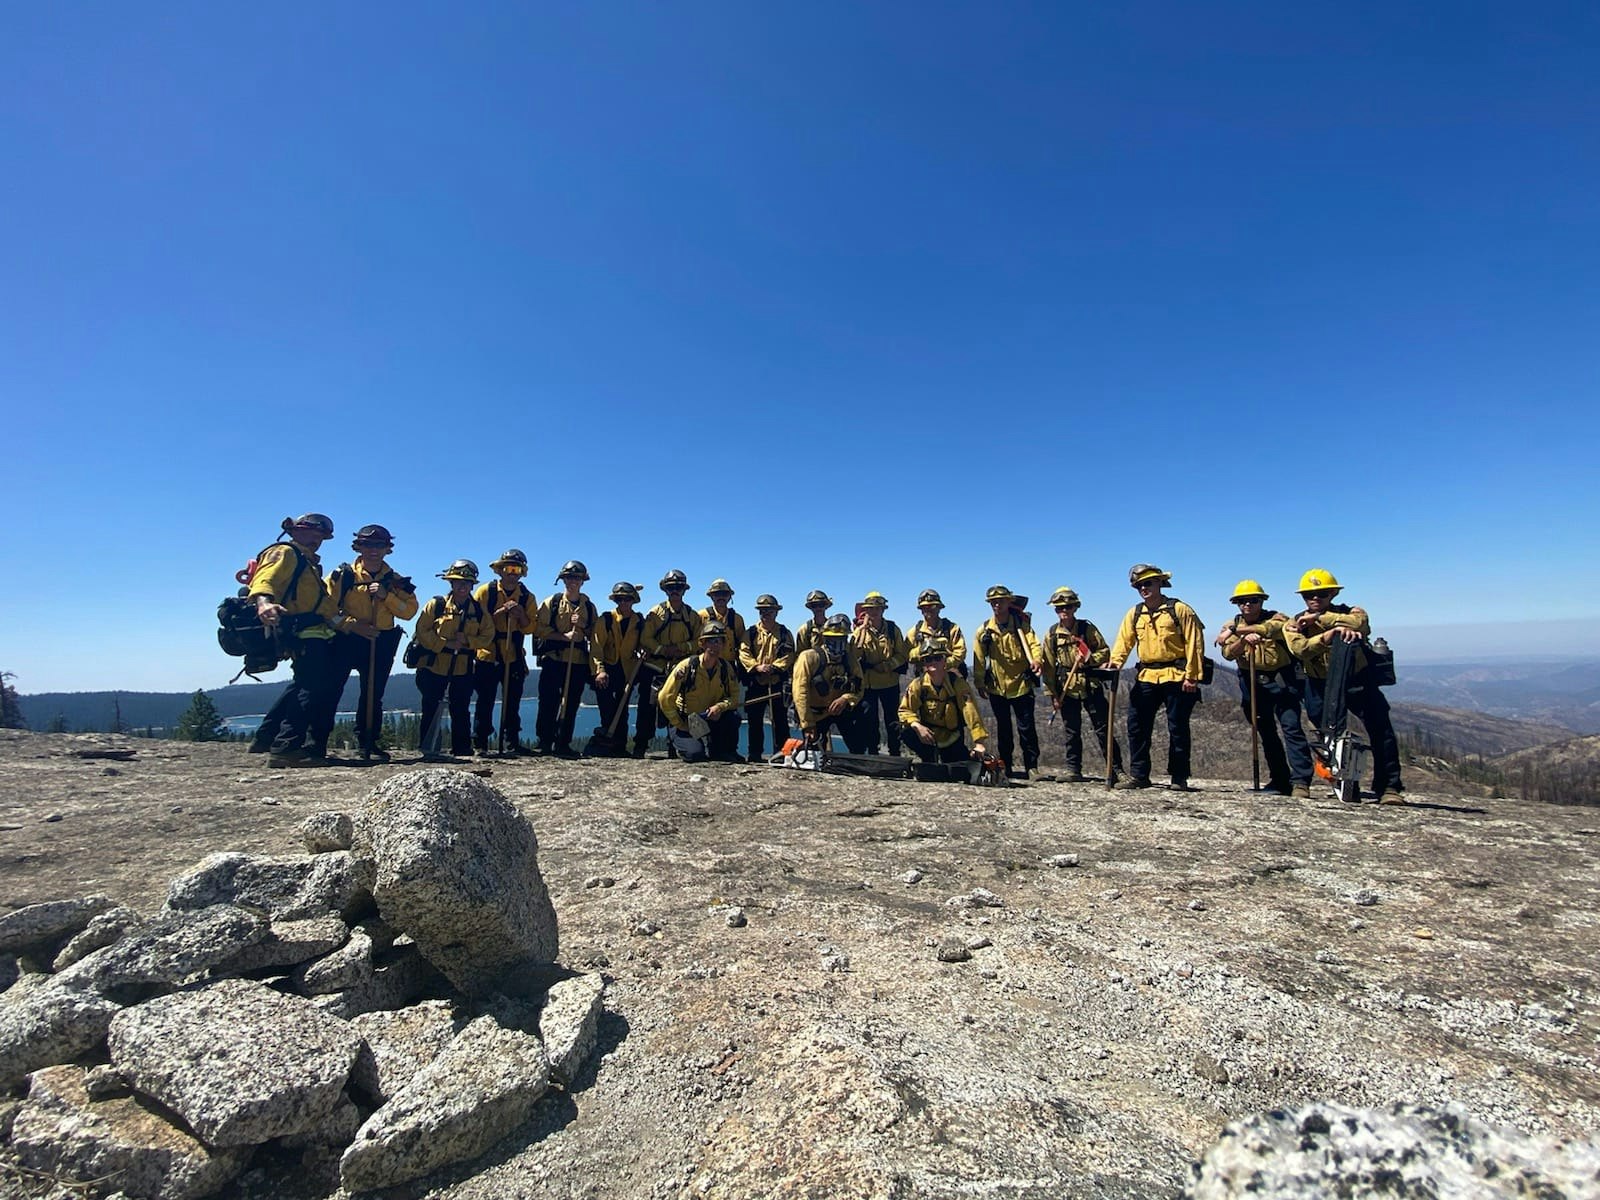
(10, 707)
(201, 722)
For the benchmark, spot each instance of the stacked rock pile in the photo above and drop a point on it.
(389, 1001)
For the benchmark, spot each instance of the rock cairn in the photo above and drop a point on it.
(384, 1005)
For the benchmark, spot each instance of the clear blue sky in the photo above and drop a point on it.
(857, 296)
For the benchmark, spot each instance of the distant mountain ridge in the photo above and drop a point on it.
(1565, 694)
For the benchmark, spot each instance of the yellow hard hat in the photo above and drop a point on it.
(1318, 580)
(874, 600)
(1247, 589)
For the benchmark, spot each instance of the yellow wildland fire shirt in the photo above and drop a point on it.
(274, 570)
(492, 595)
(692, 687)
(731, 639)
(775, 649)
(1271, 653)
(808, 636)
(946, 709)
(880, 651)
(1002, 656)
(440, 620)
(949, 631)
(1310, 648)
(1171, 642)
(1062, 654)
(669, 636)
(818, 683)
(396, 604)
(614, 641)
(557, 616)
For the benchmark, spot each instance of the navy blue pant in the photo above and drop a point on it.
(434, 689)
(554, 728)
(352, 652)
(294, 721)
(1094, 703)
(722, 743)
(777, 687)
(609, 697)
(488, 681)
(850, 726)
(1020, 710)
(956, 751)
(1372, 706)
(1143, 701)
(884, 701)
(1278, 710)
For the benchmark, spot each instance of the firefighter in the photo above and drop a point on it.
(292, 602)
(614, 657)
(1171, 644)
(671, 630)
(369, 590)
(700, 700)
(450, 631)
(1255, 641)
(563, 628)
(515, 614)
(721, 592)
(939, 708)
(766, 653)
(932, 625)
(882, 652)
(809, 635)
(1072, 648)
(1007, 662)
(1310, 636)
(827, 688)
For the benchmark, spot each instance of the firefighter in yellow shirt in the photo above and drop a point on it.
(291, 601)
(809, 635)
(827, 688)
(515, 613)
(563, 629)
(1006, 663)
(700, 699)
(766, 653)
(1314, 636)
(1254, 640)
(671, 630)
(721, 593)
(1171, 644)
(882, 651)
(1073, 648)
(615, 659)
(370, 590)
(939, 708)
(932, 625)
(450, 632)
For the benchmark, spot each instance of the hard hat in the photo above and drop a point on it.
(1318, 580)
(817, 596)
(462, 568)
(675, 579)
(624, 591)
(933, 647)
(837, 625)
(767, 600)
(929, 596)
(999, 592)
(720, 587)
(874, 600)
(372, 535)
(1140, 572)
(1247, 589)
(713, 631)
(310, 521)
(511, 558)
(1063, 595)
(572, 569)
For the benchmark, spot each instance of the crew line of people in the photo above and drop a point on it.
(694, 671)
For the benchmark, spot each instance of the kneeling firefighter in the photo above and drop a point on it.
(828, 686)
(700, 700)
(938, 709)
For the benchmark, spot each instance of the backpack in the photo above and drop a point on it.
(240, 632)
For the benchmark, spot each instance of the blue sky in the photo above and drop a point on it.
(853, 296)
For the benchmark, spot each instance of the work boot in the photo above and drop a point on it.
(481, 745)
(566, 752)
(1133, 783)
(289, 758)
(1391, 796)
(640, 746)
(1300, 791)
(1073, 775)
(259, 745)
(1181, 785)
(546, 747)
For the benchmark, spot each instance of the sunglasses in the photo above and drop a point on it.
(1065, 607)
(1318, 595)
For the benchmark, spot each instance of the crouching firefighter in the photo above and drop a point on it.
(1072, 649)
(372, 592)
(828, 687)
(700, 700)
(293, 604)
(1006, 662)
(450, 631)
(503, 666)
(1255, 641)
(939, 710)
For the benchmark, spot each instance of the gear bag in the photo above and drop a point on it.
(872, 766)
(240, 632)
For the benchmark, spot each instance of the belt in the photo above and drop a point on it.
(1166, 662)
